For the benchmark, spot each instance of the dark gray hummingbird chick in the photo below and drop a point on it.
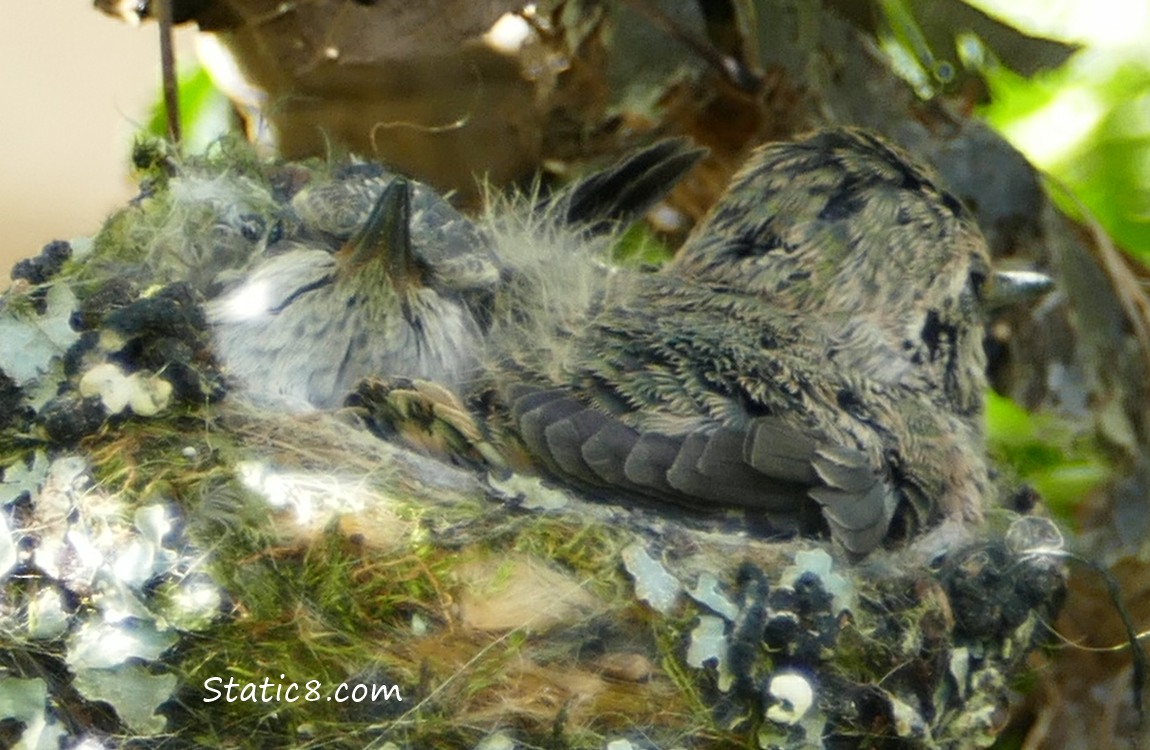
(814, 355)
(307, 324)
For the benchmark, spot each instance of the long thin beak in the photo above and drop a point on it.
(386, 236)
(1011, 288)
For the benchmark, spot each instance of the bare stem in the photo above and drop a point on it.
(163, 10)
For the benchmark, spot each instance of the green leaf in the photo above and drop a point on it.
(205, 112)
(1054, 455)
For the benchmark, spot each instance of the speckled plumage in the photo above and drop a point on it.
(814, 354)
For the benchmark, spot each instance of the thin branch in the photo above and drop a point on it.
(163, 10)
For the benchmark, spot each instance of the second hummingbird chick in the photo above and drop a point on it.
(307, 324)
(814, 355)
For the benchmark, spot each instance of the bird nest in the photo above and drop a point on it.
(178, 565)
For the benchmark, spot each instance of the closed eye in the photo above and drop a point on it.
(978, 282)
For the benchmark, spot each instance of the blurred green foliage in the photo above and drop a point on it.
(1108, 167)
(1087, 123)
(205, 112)
(1056, 456)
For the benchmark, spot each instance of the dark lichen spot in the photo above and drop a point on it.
(12, 410)
(173, 311)
(113, 294)
(67, 419)
(74, 357)
(45, 265)
(811, 596)
(990, 594)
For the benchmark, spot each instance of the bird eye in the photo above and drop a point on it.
(978, 282)
(251, 227)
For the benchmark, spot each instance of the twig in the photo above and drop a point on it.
(168, 70)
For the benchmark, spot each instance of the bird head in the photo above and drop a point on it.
(859, 243)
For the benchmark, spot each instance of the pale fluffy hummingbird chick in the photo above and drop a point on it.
(414, 288)
(303, 327)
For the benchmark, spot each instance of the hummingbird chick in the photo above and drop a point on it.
(307, 324)
(813, 354)
(414, 286)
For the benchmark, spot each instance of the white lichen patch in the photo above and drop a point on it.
(497, 741)
(26, 701)
(46, 616)
(707, 592)
(708, 649)
(653, 584)
(908, 722)
(109, 382)
(103, 645)
(8, 551)
(100, 563)
(144, 393)
(793, 696)
(32, 341)
(132, 690)
(820, 563)
(960, 668)
(148, 394)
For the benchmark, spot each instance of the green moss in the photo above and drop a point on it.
(590, 550)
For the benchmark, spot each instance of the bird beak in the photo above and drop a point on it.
(1011, 288)
(386, 235)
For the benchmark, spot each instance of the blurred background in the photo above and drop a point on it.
(77, 85)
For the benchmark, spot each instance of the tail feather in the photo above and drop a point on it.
(766, 466)
(779, 450)
(711, 466)
(649, 462)
(859, 522)
(606, 451)
(567, 437)
(620, 194)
